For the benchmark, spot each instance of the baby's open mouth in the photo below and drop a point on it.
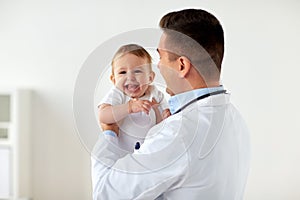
(132, 87)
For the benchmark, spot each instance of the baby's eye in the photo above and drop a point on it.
(138, 71)
(122, 72)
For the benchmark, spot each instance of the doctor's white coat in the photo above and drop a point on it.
(202, 152)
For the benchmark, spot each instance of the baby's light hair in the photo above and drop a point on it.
(134, 49)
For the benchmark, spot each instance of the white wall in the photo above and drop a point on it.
(44, 43)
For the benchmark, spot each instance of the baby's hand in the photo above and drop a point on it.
(154, 103)
(166, 113)
(136, 105)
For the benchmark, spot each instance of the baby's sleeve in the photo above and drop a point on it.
(113, 97)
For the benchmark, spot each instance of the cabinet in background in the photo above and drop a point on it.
(15, 147)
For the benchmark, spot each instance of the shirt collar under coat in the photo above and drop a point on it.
(179, 100)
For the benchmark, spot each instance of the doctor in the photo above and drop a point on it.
(202, 150)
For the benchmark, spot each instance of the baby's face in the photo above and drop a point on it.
(132, 75)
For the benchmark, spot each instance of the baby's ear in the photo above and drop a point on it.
(112, 78)
(152, 76)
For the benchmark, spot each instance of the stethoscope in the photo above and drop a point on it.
(199, 98)
(137, 145)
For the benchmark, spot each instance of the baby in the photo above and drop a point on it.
(132, 103)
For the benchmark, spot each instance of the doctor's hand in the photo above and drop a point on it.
(112, 127)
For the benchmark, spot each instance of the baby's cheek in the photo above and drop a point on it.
(119, 86)
(144, 81)
(119, 82)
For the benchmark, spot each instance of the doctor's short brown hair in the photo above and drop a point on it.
(199, 25)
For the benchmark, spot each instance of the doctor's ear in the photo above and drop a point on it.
(112, 78)
(184, 66)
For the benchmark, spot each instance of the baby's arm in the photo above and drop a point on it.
(109, 114)
(159, 116)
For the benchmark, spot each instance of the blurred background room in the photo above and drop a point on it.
(43, 45)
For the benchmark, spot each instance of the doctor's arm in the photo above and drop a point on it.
(119, 175)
